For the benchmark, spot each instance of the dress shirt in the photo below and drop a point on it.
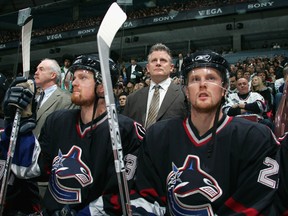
(48, 92)
(164, 85)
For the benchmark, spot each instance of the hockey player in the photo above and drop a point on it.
(210, 163)
(74, 149)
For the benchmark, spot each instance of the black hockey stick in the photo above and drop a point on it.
(113, 20)
(26, 40)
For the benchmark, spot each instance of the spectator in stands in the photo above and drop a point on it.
(179, 63)
(239, 73)
(271, 74)
(122, 101)
(258, 86)
(130, 87)
(279, 87)
(244, 102)
(119, 88)
(123, 74)
(142, 84)
(171, 99)
(134, 71)
(67, 61)
(147, 81)
(251, 68)
(232, 88)
(278, 69)
(247, 75)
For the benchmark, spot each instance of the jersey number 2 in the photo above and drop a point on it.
(273, 168)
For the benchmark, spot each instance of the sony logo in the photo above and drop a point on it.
(53, 37)
(210, 12)
(86, 31)
(260, 5)
(2, 46)
(166, 18)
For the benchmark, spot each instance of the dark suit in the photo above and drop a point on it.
(173, 105)
(138, 68)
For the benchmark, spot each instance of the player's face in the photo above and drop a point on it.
(159, 66)
(83, 88)
(204, 89)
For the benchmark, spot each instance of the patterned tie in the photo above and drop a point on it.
(154, 107)
(41, 96)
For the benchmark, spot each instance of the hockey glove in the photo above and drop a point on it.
(21, 94)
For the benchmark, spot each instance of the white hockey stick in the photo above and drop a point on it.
(113, 20)
(26, 38)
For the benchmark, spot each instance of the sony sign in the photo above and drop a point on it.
(54, 37)
(209, 12)
(86, 31)
(164, 18)
(260, 5)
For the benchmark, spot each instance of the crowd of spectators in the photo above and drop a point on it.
(6, 36)
(270, 72)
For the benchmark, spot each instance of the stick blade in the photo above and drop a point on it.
(113, 20)
(26, 42)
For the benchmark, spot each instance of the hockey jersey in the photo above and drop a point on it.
(176, 175)
(250, 98)
(78, 161)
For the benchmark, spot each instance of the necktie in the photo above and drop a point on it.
(154, 107)
(41, 96)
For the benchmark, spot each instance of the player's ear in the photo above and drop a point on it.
(100, 89)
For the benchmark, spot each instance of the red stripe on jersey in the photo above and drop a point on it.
(153, 193)
(204, 140)
(114, 200)
(239, 208)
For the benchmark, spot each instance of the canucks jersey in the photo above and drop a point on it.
(78, 162)
(176, 175)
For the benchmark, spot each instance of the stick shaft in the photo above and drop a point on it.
(111, 23)
(26, 40)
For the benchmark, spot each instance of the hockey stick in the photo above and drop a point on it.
(26, 40)
(113, 20)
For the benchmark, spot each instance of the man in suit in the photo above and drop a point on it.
(134, 71)
(172, 100)
(46, 78)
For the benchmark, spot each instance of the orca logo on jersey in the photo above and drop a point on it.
(69, 166)
(190, 183)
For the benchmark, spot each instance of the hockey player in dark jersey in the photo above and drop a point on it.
(74, 150)
(210, 163)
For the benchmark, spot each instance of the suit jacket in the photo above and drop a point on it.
(137, 68)
(174, 104)
(58, 100)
